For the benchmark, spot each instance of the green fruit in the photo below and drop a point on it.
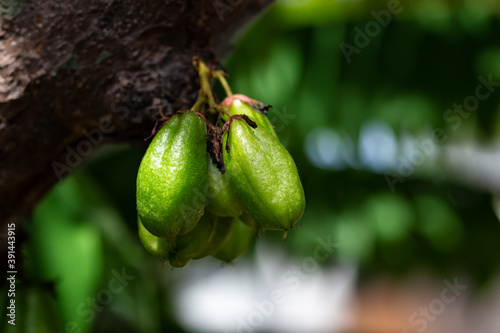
(221, 199)
(249, 220)
(193, 243)
(172, 177)
(221, 234)
(240, 238)
(240, 107)
(263, 176)
(155, 245)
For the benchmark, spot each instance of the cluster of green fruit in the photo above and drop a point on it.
(213, 176)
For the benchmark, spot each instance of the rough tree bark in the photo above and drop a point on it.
(76, 73)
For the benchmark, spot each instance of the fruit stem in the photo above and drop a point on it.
(205, 75)
(200, 101)
(221, 76)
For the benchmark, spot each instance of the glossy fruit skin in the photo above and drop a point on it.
(240, 107)
(193, 243)
(238, 241)
(221, 234)
(157, 246)
(172, 176)
(221, 199)
(263, 176)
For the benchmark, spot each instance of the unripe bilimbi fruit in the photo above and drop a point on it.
(172, 176)
(155, 245)
(238, 241)
(263, 176)
(249, 220)
(240, 107)
(193, 243)
(221, 201)
(222, 229)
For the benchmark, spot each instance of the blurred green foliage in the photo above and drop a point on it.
(397, 87)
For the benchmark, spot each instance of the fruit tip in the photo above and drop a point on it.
(285, 235)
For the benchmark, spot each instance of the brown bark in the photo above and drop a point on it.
(76, 73)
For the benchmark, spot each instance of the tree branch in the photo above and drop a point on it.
(76, 73)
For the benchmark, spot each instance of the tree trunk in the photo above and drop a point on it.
(76, 73)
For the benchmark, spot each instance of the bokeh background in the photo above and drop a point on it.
(399, 154)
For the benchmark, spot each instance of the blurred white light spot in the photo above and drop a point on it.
(326, 149)
(242, 298)
(378, 146)
(417, 152)
(214, 303)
